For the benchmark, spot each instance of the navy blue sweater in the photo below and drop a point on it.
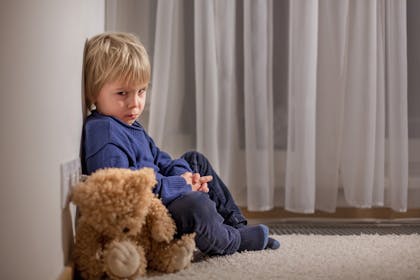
(109, 142)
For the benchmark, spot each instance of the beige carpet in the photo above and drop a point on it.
(316, 257)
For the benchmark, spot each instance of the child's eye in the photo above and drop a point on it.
(142, 91)
(122, 93)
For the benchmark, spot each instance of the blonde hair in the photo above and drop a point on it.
(113, 56)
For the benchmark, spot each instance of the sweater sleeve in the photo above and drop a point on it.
(166, 164)
(108, 156)
(167, 188)
(171, 187)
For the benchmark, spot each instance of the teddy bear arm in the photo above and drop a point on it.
(88, 252)
(160, 222)
(173, 256)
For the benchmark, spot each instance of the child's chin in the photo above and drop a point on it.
(128, 121)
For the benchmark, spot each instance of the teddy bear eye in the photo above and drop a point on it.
(126, 230)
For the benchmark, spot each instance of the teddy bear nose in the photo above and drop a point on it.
(126, 230)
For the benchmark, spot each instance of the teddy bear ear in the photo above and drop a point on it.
(80, 193)
(85, 193)
(147, 176)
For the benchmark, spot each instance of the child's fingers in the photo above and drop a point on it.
(196, 177)
(196, 187)
(206, 179)
(204, 188)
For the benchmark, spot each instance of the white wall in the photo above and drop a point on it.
(41, 120)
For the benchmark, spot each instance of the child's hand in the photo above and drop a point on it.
(188, 176)
(197, 182)
(202, 181)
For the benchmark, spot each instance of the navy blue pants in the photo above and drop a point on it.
(213, 216)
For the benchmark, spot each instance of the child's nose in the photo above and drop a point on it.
(133, 101)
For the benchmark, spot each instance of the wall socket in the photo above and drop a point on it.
(71, 173)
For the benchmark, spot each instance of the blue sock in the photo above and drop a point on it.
(272, 244)
(253, 238)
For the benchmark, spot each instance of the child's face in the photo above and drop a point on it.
(122, 101)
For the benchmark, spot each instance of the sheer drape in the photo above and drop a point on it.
(347, 58)
(258, 108)
(218, 87)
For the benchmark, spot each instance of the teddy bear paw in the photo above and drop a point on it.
(122, 259)
(182, 252)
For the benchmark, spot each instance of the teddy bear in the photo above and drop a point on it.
(123, 229)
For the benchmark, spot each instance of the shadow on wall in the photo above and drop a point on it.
(69, 213)
(67, 235)
(84, 109)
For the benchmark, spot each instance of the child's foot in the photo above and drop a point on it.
(253, 238)
(272, 244)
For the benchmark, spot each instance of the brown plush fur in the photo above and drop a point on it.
(117, 206)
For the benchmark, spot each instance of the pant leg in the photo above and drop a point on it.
(196, 212)
(218, 191)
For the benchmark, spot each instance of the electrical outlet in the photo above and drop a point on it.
(71, 172)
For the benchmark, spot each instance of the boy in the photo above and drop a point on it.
(117, 74)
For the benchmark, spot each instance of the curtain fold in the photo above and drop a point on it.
(161, 70)
(333, 19)
(216, 132)
(360, 123)
(215, 89)
(396, 86)
(258, 108)
(300, 166)
(206, 77)
(172, 94)
(345, 53)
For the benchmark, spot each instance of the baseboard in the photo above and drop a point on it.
(66, 273)
(340, 213)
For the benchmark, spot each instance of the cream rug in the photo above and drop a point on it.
(315, 257)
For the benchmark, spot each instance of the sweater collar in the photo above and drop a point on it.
(135, 125)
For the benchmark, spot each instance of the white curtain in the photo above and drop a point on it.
(231, 79)
(258, 109)
(348, 94)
